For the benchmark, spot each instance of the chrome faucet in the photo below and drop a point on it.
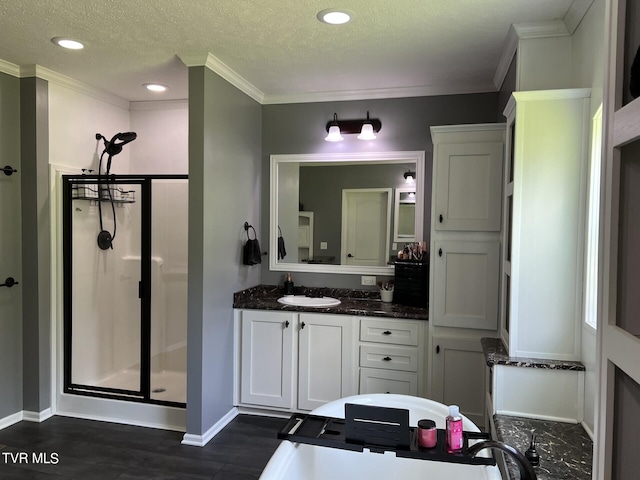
(526, 470)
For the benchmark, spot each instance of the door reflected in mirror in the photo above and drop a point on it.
(340, 213)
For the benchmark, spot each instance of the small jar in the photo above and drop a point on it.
(427, 433)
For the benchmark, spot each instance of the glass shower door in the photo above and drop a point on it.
(106, 251)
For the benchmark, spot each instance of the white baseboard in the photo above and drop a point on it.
(587, 429)
(27, 416)
(202, 440)
(548, 418)
(10, 420)
(37, 417)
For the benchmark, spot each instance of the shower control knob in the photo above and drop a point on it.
(9, 282)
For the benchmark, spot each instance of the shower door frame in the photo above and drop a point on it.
(144, 293)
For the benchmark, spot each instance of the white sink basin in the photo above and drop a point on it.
(303, 301)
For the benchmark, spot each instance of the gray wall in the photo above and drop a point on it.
(224, 192)
(36, 244)
(10, 248)
(300, 128)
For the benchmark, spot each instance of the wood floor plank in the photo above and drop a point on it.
(93, 450)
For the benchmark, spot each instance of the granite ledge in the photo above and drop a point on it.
(565, 449)
(364, 303)
(496, 354)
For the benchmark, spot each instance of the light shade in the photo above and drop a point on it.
(334, 134)
(367, 132)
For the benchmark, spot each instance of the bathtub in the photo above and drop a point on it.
(297, 461)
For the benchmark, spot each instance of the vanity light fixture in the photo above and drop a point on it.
(365, 128)
(67, 43)
(410, 177)
(155, 87)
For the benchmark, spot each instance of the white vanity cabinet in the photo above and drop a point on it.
(459, 375)
(295, 361)
(326, 358)
(392, 358)
(267, 358)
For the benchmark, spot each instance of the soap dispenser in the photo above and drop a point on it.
(532, 453)
(288, 285)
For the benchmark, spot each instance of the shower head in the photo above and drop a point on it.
(111, 147)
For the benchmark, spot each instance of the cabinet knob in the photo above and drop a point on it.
(438, 349)
(440, 252)
(349, 255)
(441, 218)
(302, 325)
(286, 324)
(9, 282)
(386, 332)
(387, 359)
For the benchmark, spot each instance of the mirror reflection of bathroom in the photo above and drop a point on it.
(405, 215)
(126, 313)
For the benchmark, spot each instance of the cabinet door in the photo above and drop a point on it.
(469, 180)
(267, 358)
(458, 376)
(326, 359)
(466, 280)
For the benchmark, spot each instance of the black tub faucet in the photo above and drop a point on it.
(526, 470)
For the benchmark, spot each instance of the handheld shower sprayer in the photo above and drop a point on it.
(111, 147)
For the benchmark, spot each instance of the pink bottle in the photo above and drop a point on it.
(454, 430)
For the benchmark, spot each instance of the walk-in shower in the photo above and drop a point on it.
(125, 306)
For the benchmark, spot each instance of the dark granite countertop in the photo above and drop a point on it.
(364, 303)
(565, 449)
(496, 354)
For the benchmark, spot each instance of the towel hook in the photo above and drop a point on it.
(8, 170)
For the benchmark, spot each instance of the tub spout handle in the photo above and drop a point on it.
(526, 470)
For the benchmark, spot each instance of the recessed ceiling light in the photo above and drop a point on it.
(333, 16)
(67, 43)
(156, 87)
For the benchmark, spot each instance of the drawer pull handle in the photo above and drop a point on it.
(386, 332)
(387, 359)
(440, 252)
(441, 218)
(438, 349)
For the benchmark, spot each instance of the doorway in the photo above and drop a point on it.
(366, 214)
(125, 287)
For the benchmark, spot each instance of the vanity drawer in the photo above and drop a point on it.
(374, 380)
(398, 332)
(389, 358)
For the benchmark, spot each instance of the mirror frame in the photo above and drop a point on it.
(360, 158)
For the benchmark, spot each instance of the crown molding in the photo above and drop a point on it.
(201, 59)
(9, 68)
(68, 82)
(474, 127)
(374, 94)
(552, 28)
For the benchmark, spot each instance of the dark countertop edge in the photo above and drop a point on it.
(496, 354)
(363, 303)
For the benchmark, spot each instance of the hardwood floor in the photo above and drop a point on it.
(87, 450)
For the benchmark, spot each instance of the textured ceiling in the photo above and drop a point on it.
(278, 46)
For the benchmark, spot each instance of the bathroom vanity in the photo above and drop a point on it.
(296, 358)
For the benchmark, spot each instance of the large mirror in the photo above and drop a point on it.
(344, 213)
